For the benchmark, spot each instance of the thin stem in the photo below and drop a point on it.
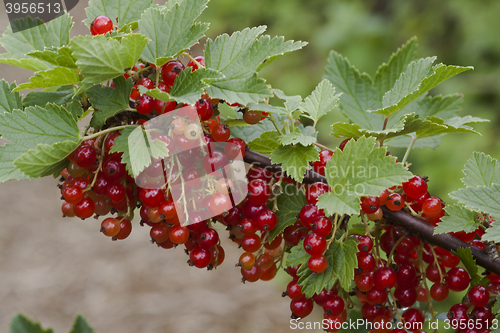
(424, 279)
(412, 142)
(330, 241)
(391, 254)
(158, 70)
(271, 118)
(312, 129)
(323, 147)
(395, 305)
(193, 60)
(108, 130)
(386, 119)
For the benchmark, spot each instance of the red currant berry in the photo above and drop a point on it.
(85, 156)
(406, 296)
(259, 191)
(101, 25)
(322, 226)
(150, 197)
(116, 192)
(170, 71)
(364, 282)
(235, 149)
(125, 228)
(314, 244)
(366, 262)
(194, 65)
(72, 194)
(415, 187)
(324, 156)
(110, 227)
(266, 220)
(308, 213)
(252, 117)
(376, 296)
(208, 238)
(479, 296)
(253, 274)
(251, 243)
(85, 208)
(395, 202)
(159, 233)
(439, 291)
(369, 205)
(199, 257)
(317, 263)
(301, 308)
(293, 290)
(146, 104)
(384, 278)
(179, 234)
(334, 306)
(457, 279)
(314, 190)
(432, 207)
(221, 133)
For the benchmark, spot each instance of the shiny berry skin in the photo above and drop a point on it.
(250, 209)
(248, 226)
(113, 169)
(253, 274)
(458, 312)
(366, 262)
(405, 274)
(199, 257)
(110, 140)
(251, 243)
(214, 161)
(439, 292)
(395, 202)
(101, 25)
(457, 279)
(208, 238)
(252, 117)
(314, 190)
(150, 197)
(432, 207)
(247, 260)
(293, 234)
(308, 213)
(159, 233)
(369, 205)
(482, 316)
(148, 83)
(376, 296)
(220, 203)
(322, 226)
(364, 282)
(365, 243)
(370, 311)
(85, 208)
(235, 149)
(72, 194)
(110, 227)
(422, 295)
(415, 187)
(406, 296)
(125, 229)
(334, 306)
(413, 316)
(204, 108)
(301, 308)
(479, 296)
(314, 244)
(193, 65)
(167, 209)
(478, 243)
(384, 278)
(170, 71)
(274, 244)
(217, 255)
(116, 192)
(85, 156)
(317, 263)
(146, 104)
(266, 220)
(293, 290)
(179, 234)
(265, 260)
(67, 209)
(324, 156)
(259, 191)
(221, 133)
(432, 272)
(256, 172)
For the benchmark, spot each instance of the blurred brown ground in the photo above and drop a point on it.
(53, 268)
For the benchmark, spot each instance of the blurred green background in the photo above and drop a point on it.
(458, 32)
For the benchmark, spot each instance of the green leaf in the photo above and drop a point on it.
(188, 85)
(481, 199)
(239, 57)
(9, 100)
(457, 219)
(35, 126)
(404, 142)
(108, 101)
(358, 92)
(59, 76)
(127, 11)
(81, 326)
(26, 63)
(34, 35)
(414, 82)
(297, 255)
(294, 160)
(292, 103)
(101, 59)
(341, 257)
(267, 108)
(321, 101)
(294, 138)
(289, 202)
(21, 324)
(171, 31)
(266, 143)
(227, 112)
(60, 57)
(138, 148)
(496, 306)
(387, 74)
(36, 161)
(444, 107)
(467, 259)
(250, 133)
(361, 169)
(438, 126)
(61, 96)
(481, 170)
